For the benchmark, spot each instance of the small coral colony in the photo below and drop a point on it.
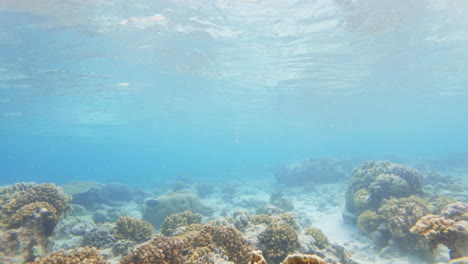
(83, 222)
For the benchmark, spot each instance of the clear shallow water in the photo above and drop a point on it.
(141, 91)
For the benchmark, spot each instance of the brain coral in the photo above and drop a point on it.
(374, 181)
(157, 210)
(76, 256)
(449, 228)
(134, 229)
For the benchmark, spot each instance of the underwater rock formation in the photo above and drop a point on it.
(311, 171)
(75, 256)
(449, 228)
(88, 194)
(183, 219)
(133, 229)
(158, 209)
(375, 181)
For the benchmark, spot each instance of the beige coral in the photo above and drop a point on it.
(134, 229)
(449, 228)
(303, 259)
(76, 256)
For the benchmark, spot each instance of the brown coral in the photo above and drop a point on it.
(449, 228)
(45, 196)
(303, 259)
(256, 257)
(161, 250)
(76, 256)
(134, 229)
(279, 240)
(174, 221)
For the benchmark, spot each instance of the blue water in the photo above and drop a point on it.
(140, 92)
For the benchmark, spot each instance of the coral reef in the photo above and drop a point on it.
(316, 171)
(75, 256)
(449, 228)
(174, 221)
(157, 210)
(134, 229)
(375, 181)
(321, 240)
(29, 213)
(278, 240)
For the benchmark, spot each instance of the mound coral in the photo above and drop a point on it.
(158, 209)
(134, 229)
(76, 256)
(174, 221)
(278, 240)
(449, 228)
(321, 240)
(375, 181)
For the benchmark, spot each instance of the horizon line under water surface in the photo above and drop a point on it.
(135, 90)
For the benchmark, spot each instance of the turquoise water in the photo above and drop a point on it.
(138, 91)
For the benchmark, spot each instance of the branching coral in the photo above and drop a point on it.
(400, 215)
(256, 257)
(321, 240)
(135, 229)
(174, 221)
(163, 250)
(279, 240)
(374, 181)
(449, 228)
(76, 256)
(369, 221)
(229, 239)
(24, 201)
